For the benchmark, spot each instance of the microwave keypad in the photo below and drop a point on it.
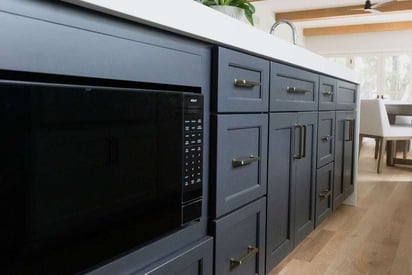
(193, 142)
(193, 152)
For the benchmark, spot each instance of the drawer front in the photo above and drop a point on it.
(242, 82)
(130, 52)
(326, 138)
(293, 89)
(240, 160)
(240, 240)
(346, 97)
(324, 185)
(327, 93)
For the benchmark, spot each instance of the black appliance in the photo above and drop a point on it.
(89, 173)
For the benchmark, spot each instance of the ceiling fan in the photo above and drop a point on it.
(372, 8)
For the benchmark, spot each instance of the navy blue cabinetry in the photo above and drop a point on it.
(56, 44)
(291, 179)
(239, 130)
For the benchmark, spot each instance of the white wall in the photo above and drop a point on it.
(377, 42)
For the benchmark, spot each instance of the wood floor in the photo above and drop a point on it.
(375, 237)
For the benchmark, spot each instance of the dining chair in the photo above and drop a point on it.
(374, 123)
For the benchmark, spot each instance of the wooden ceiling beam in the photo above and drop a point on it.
(361, 28)
(316, 14)
(356, 10)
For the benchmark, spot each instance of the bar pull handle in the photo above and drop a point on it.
(251, 251)
(325, 194)
(327, 93)
(296, 90)
(349, 130)
(245, 83)
(326, 138)
(299, 155)
(303, 142)
(244, 162)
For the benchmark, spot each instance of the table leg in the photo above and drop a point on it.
(390, 152)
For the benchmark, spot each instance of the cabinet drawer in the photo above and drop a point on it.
(327, 93)
(130, 52)
(326, 138)
(240, 236)
(293, 89)
(241, 82)
(324, 185)
(346, 95)
(241, 154)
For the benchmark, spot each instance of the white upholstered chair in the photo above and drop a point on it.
(374, 123)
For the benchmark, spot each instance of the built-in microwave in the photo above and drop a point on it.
(89, 173)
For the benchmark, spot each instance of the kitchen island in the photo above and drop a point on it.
(279, 122)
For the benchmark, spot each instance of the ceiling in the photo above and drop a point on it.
(281, 6)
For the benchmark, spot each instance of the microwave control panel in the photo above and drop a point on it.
(192, 157)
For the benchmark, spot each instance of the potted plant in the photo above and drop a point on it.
(242, 5)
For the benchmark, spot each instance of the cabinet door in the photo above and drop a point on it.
(343, 182)
(305, 178)
(240, 240)
(292, 89)
(346, 95)
(280, 205)
(291, 175)
(326, 135)
(241, 82)
(241, 152)
(327, 93)
(324, 185)
(195, 260)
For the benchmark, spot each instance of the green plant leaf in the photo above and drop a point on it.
(249, 17)
(248, 8)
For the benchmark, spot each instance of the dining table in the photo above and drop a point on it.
(393, 109)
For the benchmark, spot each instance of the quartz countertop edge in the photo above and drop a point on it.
(192, 19)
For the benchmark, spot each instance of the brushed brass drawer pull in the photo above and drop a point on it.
(326, 138)
(251, 251)
(327, 93)
(325, 194)
(246, 83)
(244, 162)
(296, 90)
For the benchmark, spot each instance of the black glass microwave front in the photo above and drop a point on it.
(90, 173)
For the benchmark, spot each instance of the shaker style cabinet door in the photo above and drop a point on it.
(241, 82)
(239, 175)
(291, 175)
(327, 93)
(240, 240)
(305, 178)
(326, 141)
(344, 155)
(292, 89)
(324, 189)
(346, 95)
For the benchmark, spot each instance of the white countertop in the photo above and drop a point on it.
(195, 20)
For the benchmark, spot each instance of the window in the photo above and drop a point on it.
(386, 75)
(367, 66)
(398, 77)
